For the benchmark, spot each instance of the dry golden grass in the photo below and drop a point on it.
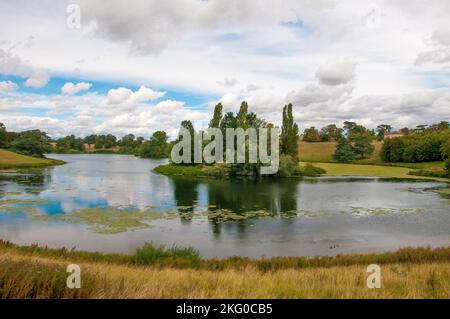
(108, 280)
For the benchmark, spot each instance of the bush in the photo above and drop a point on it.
(427, 146)
(312, 171)
(431, 173)
(344, 152)
(149, 254)
(288, 167)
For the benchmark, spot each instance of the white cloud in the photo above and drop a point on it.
(11, 64)
(70, 88)
(8, 87)
(37, 81)
(123, 98)
(340, 71)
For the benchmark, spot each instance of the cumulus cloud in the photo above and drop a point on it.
(340, 71)
(440, 52)
(11, 64)
(8, 87)
(228, 82)
(70, 88)
(123, 98)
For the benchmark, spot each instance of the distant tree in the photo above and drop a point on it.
(443, 125)
(311, 135)
(344, 151)
(156, 147)
(217, 117)
(3, 136)
(404, 130)
(33, 143)
(362, 146)
(241, 117)
(381, 130)
(289, 134)
(187, 125)
(331, 133)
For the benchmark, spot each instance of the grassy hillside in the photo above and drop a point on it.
(323, 152)
(13, 160)
(32, 272)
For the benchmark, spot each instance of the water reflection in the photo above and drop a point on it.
(354, 213)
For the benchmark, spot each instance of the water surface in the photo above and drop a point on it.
(114, 203)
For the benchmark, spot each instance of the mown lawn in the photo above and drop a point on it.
(13, 160)
(341, 169)
(41, 273)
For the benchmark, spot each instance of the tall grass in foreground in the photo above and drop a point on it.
(178, 257)
(157, 272)
(33, 277)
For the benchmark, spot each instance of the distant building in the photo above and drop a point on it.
(89, 148)
(393, 134)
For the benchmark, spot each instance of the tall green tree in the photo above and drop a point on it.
(217, 117)
(3, 135)
(381, 130)
(344, 151)
(362, 146)
(289, 134)
(241, 117)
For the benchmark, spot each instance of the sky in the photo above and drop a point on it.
(83, 67)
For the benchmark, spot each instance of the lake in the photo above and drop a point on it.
(114, 203)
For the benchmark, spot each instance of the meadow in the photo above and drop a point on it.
(155, 272)
(13, 160)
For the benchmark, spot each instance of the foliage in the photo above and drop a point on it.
(344, 151)
(381, 130)
(288, 166)
(432, 173)
(3, 136)
(311, 135)
(156, 147)
(32, 143)
(447, 165)
(426, 146)
(362, 146)
(312, 171)
(217, 117)
(331, 133)
(289, 134)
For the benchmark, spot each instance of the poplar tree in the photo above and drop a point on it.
(289, 134)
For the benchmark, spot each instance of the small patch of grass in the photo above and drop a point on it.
(10, 160)
(341, 169)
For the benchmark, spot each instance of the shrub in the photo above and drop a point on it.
(344, 152)
(313, 171)
(427, 146)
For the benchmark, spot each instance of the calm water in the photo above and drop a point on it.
(324, 216)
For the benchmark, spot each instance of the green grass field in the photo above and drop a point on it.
(341, 169)
(13, 160)
(323, 152)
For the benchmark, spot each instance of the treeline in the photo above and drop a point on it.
(333, 133)
(33, 142)
(427, 146)
(37, 143)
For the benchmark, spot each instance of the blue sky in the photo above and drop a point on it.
(140, 66)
